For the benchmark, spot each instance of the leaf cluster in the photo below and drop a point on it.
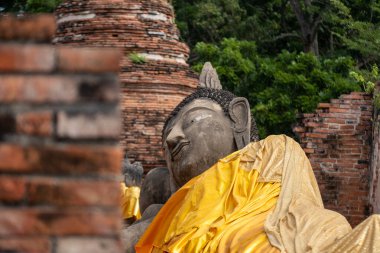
(280, 87)
(29, 6)
(137, 58)
(259, 49)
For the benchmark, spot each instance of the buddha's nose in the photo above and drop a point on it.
(174, 138)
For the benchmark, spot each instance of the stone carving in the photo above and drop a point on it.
(155, 189)
(132, 173)
(130, 188)
(209, 78)
(208, 101)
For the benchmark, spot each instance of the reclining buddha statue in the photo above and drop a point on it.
(232, 192)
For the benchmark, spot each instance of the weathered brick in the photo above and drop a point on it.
(347, 127)
(94, 125)
(334, 126)
(316, 135)
(63, 159)
(312, 124)
(26, 58)
(37, 89)
(12, 189)
(7, 123)
(88, 59)
(93, 245)
(340, 160)
(324, 105)
(338, 115)
(34, 244)
(39, 28)
(340, 110)
(35, 123)
(73, 192)
(58, 222)
(49, 88)
(334, 120)
(308, 150)
(56, 187)
(13, 158)
(354, 95)
(103, 88)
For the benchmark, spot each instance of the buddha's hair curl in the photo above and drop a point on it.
(222, 97)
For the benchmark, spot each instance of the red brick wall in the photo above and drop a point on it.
(336, 139)
(375, 156)
(149, 90)
(59, 154)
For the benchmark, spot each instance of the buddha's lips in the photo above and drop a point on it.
(178, 148)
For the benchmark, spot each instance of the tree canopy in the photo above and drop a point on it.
(28, 6)
(285, 56)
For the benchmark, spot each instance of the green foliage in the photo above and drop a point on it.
(349, 27)
(264, 61)
(280, 87)
(137, 58)
(41, 5)
(376, 100)
(367, 79)
(212, 19)
(31, 6)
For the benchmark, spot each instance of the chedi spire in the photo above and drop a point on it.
(154, 74)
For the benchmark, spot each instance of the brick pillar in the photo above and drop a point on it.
(375, 155)
(337, 139)
(59, 154)
(150, 88)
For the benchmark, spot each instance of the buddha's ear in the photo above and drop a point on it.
(241, 116)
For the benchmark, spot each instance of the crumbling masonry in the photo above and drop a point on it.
(154, 74)
(341, 140)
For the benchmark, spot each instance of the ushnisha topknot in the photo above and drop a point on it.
(209, 78)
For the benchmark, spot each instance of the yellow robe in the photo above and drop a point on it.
(263, 198)
(130, 202)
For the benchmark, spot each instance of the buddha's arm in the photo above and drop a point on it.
(132, 234)
(155, 188)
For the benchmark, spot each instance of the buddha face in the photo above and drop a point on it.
(196, 138)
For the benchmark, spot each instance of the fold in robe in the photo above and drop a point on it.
(222, 210)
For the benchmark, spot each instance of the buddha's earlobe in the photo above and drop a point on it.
(240, 114)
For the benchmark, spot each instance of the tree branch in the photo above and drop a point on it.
(285, 35)
(305, 27)
(314, 28)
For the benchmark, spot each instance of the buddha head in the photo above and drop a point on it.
(207, 125)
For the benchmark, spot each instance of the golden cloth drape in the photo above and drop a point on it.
(130, 201)
(364, 238)
(268, 182)
(222, 210)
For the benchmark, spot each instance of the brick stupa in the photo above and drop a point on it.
(154, 74)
